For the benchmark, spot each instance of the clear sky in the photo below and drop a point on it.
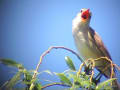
(29, 27)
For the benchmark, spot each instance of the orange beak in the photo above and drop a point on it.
(85, 15)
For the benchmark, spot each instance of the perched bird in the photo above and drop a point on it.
(89, 43)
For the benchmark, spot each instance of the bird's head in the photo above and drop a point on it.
(83, 18)
(85, 15)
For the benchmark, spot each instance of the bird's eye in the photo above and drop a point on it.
(81, 11)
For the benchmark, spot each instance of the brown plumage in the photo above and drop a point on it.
(89, 43)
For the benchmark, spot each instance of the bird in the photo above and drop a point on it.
(90, 45)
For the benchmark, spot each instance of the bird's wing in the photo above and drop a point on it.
(100, 45)
(97, 40)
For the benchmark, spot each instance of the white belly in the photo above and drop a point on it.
(85, 47)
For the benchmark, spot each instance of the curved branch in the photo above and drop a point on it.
(45, 53)
(52, 84)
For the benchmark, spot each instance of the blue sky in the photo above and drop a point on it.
(29, 27)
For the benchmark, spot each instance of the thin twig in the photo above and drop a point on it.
(93, 66)
(111, 63)
(52, 84)
(79, 71)
(45, 53)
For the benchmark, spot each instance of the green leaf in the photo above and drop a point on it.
(37, 86)
(70, 63)
(10, 62)
(64, 79)
(105, 83)
(12, 82)
(81, 81)
(27, 77)
(48, 72)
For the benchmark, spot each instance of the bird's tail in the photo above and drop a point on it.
(107, 72)
(116, 85)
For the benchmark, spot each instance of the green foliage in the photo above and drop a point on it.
(64, 79)
(11, 63)
(13, 81)
(70, 78)
(23, 75)
(38, 86)
(82, 81)
(27, 77)
(70, 63)
(105, 85)
(48, 72)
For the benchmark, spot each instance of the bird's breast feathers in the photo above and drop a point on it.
(85, 43)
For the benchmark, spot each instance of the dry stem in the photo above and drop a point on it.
(42, 56)
(83, 64)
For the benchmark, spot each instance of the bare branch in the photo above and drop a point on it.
(52, 84)
(111, 63)
(44, 54)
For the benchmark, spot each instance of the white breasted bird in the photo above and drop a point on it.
(89, 43)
